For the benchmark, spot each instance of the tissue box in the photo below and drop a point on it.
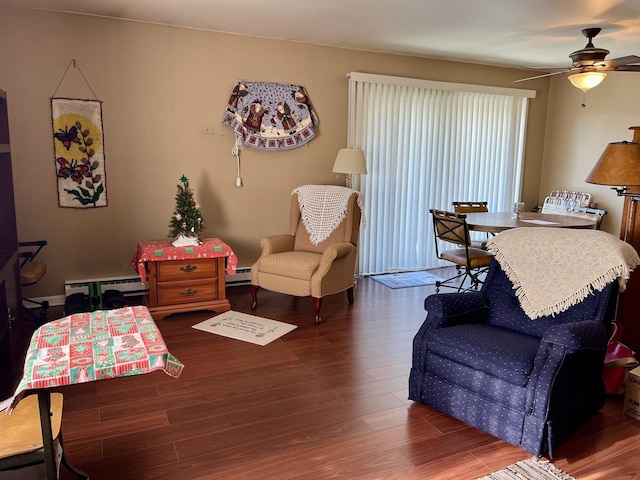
(632, 394)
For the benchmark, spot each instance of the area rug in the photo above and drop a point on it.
(531, 469)
(247, 328)
(407, 279)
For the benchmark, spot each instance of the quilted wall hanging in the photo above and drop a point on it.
(78, 148)
(271, 116)
(79, 152)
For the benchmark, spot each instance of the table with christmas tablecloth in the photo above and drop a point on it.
(86, 347)
(160, 250)
(185, 278)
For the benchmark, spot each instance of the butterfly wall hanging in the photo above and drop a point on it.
(78, 145)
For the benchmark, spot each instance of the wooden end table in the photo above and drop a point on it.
(185, 279)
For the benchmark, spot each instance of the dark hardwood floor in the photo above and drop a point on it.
(322, 402)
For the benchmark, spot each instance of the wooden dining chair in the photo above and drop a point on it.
(470, 207)
(470, 261)
(474, 207)
(31, 272)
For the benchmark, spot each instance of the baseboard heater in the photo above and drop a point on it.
(128, 285)
(132, 286)
(242, 277)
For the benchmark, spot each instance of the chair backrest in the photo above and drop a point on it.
(450, 227)
(505, 310)
(470, 207)
(30, 250)
(559, 200)
(31, 271)
(347, 231)
(592, 213)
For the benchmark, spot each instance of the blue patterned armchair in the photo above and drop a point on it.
(481, 359)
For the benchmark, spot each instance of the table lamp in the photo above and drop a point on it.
(350, 161)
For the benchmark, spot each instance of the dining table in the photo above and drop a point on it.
(495, 222)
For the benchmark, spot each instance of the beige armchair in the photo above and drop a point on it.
(294, 264)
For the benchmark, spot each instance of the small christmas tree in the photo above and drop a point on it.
(187, 218)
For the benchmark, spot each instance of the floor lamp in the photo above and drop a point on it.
(618, 166)
(350, 161)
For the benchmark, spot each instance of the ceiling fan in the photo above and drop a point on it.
(589, 65)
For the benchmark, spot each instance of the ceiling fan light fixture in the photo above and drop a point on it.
(587, 80)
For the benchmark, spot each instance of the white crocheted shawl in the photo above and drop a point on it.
(555, 268)
(323, 207)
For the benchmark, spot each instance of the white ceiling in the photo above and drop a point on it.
(519, 33)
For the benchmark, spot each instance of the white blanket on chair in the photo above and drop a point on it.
(323, 207)
(555, 268)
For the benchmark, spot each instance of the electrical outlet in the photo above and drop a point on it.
(206, 130)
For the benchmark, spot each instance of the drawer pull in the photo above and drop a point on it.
(188, 268)
(188, 292)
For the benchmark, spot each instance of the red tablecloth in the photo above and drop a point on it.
(85, 347)
(164, 250)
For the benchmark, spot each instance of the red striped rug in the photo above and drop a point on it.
(531, 469)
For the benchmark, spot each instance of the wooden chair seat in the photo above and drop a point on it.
(21, 431)
(478, 258)
(32, 272)
(22, 447)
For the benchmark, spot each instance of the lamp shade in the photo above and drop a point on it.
(350, 160)
(619, 165)
(586, 81)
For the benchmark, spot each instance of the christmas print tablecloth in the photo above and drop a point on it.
(164, 250)
(85, 347)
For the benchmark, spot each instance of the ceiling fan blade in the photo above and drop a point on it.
(627, 68)
(547, 69)
(590, 60)
(617, 62)
(542, 76)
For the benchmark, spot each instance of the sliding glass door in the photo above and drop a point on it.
(428, 144)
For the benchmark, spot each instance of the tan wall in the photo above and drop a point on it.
(577, 136)
(159, 86)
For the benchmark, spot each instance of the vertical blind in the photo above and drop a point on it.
(428, 144)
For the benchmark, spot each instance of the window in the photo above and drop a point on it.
(428, 144)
